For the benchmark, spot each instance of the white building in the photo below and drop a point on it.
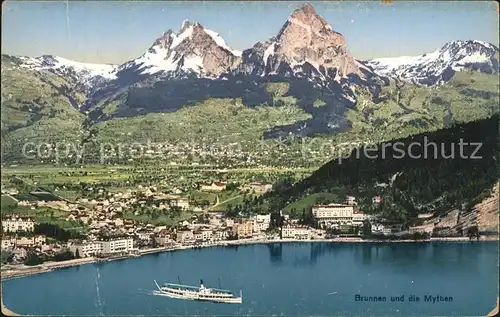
(203, 234)
(351, 200)
(333, 214)
(18, 224)
(184, 236)
(7, 243)
(215, 186)
(221, 235)
(229, 222)
(116, 245)
(296, 232)
(180, 202)
(86, 249)
(262, 222)
(258, 187)
(380, 229)
(358, 217)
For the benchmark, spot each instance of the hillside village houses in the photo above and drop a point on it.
(378, 228)
(163, 238)
(257, 187)
(214, 186)
(180, 202)
(184, 235)
(109, 233)
(18, 224)
(11, 241)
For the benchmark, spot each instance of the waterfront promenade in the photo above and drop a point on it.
(20, 270)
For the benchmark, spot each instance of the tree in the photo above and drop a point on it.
(33, 259)
(473, 232)
(6, 256)
(367, 228)
(276, 219)
(307, 217)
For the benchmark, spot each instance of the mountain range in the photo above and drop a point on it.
(302, 82)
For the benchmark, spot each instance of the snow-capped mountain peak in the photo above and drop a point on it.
(193, 49)
(439, 66)
(63, 66)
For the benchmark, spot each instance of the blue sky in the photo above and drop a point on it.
(115, 31)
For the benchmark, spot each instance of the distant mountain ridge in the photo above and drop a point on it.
(305, 47)
(304, 75)
(439, 66)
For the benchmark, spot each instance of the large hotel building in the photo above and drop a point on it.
(334, 215)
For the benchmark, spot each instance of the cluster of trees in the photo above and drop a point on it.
(473, 232)
(6, 256)
(431, 183)
(34, 258)
(54, 231)
(306, 217)
(251, 205)
(408, 236)
(153, 213)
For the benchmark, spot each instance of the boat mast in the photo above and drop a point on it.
(219, 283)
(159, 288)
(179, 279)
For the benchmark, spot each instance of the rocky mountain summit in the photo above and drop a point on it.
(305, 48)
(306, 45)
(193, 49)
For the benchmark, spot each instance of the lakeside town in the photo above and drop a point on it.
(30, 247)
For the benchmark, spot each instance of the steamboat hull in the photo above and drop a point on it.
(199, 294)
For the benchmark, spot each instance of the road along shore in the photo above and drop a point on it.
(18, 271)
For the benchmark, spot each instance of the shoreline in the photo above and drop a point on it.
(19, 271)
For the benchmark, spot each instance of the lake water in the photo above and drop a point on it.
(320, 279)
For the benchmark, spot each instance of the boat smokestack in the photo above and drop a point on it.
(201, 283)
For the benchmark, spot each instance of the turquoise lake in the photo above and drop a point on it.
(289, 279)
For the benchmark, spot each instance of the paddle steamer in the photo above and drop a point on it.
(200, 293)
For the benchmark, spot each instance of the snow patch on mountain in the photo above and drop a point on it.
(268, 52)
(65, 66)
(220, 41)
(156, 61)
(178, 39)
(185, 52)
(439, 66)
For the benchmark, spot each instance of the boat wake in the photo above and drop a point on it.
(158, 293)
(332, 293)
(99, 303)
